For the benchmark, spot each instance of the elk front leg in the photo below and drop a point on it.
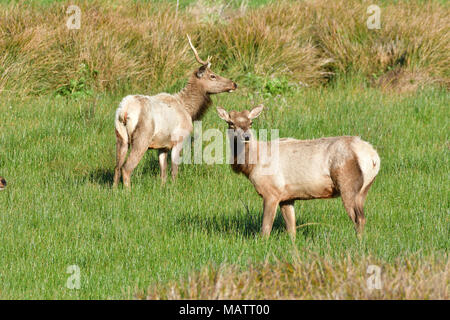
(162, 157)
(270, 209)
(176, 159)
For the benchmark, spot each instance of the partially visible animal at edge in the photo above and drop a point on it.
(323, 168)
(163, 121)
(2, 183)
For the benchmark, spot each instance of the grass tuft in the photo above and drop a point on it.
(318, 278)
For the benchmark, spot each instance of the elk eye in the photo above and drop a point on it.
(213, 77)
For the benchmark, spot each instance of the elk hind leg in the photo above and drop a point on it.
(121, 154)
(138, 149)
(287, 210)
(360, 199)
(349, 180)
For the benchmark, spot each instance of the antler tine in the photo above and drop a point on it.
(196, 53)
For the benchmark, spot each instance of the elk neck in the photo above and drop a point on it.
(247, 167)
(195, 99)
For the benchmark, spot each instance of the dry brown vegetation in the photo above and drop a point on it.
(128, 44)
(400, 80)
(317, 278)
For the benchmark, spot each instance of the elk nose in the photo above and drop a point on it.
(3, 182)
(234, 85)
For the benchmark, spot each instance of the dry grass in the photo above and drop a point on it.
(139, 45)
(126, 45)
(412, 35)
(317, 278)
(403, 81)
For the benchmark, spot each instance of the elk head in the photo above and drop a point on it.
(240, 123)
(210, 82)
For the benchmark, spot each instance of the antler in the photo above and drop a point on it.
(202, 62)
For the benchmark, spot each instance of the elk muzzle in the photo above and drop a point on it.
(234, 87)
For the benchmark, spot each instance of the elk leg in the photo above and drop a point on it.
(354, 206)
(162, 157)
(349, 205)
(137, 152)
(287, 210)
(360, 199)
(270, 209)
(121, 153)
(360, 218)
(175, 156)
(349, 180)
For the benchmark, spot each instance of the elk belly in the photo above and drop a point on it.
(161, 142)
(319, 189)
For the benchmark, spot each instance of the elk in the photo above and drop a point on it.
(2, 183)
(322, 168)
(163, 121)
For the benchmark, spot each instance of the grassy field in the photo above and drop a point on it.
(59, 208)
(57, 152)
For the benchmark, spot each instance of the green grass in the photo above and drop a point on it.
(57, 155)
(57, 145)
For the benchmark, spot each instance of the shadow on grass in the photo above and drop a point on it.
(151, 164)
(102, 176)
(105, 176)
(248, 225)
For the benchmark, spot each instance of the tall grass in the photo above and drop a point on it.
(141, 45)
(317, 278)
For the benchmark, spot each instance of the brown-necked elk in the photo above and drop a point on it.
(2, 183)
(301, 169)
(163, 121)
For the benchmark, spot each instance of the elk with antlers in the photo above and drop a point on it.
(302, 169)
(163, 121)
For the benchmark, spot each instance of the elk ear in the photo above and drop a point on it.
(256, 111)
(223, 114)
(201, 71)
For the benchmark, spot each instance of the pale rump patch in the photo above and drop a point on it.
(368, 159)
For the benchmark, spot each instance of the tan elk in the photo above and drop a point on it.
(2, 183)
(301, 169)
(163, 121)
